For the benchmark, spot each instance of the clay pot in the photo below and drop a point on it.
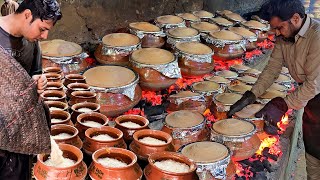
(152, 172)
(91, 145)
(53, 77)
(144, 150)
(130, 172)
(181, 34)
(208, 89)
(77, 87)
(74, 78)
(186, 100)
(77, 65)
(57, 104)
(53, 95)
(54, 86)
(75, 109)
(91, 116)
(62, 128)
(78, 171)
(128, 132)
(221, 104)
(262, 35)
(60, 114)
(56, 70)
(167, 22)
(82, 96)
(248, 113)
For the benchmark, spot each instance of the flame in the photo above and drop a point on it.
(282, 125)
(152, 97)
(209, 116)
(267, 142)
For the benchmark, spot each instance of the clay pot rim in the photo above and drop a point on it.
(61, 93)
(76, 84)
(82, 104)
(63, 112)
(73, 150)
(150, 132)
(53, 75)
(59, 85)
(81, 77)
(104, 129)
(59, 70)
(108, 150)
(75, 94)
(49, 103)
(138, 117)
(59, 126)
(100, 115)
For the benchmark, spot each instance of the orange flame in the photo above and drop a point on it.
(267, 142)
(283, 123)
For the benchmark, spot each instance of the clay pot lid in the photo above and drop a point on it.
(189, 16)
(152, 56)
(282, 78)
(235, 17)
(120, 40)
(144, 26)
(205, 86)
(238, 86)
(205, 152)
(182, 32)
(228, 98)
(184, 119)
(60, 48)
(248, 79)
(109, 76)
(227, 74)
(205, 26)
(249, 111)
(242, 31)
(169, 19)
(226, 35)
(203, 14)
(183, 94)
(252, 71)
(217, 79)
(240, 67)
(194, 48)
(254, 24)
(277, 87)
(285, 70)
(270, 94)
(222, 21)
(233, 127)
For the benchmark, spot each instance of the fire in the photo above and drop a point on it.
(267, 142)
(209, 116)
(152, 97)
(282, 125)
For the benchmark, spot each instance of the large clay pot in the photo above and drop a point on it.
(78, 171)
(76, 109)
(181, 34)
(63, 116)
(54, 95)
(248, 113)
(250, 37)
(203, 15)
(90, 145)
(187, 100)
(82, 96)
(63, 128)
(223, 23)
(74, 78)
(208, 89)
(260, 29)
(130, 172)
(205, 28)
(57, 105)
(189, 18)
(92, 116)
(221, 104)
(77, 87)
(144, 150)
(152, 172)
(167, 22)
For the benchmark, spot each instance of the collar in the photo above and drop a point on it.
(304, 28)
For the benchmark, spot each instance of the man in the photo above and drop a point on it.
(297, 47)
(24, 123)
(9, 7)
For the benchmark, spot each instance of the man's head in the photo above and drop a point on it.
(38, 17)
(285, 16)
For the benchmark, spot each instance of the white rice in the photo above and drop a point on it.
(103, 137)
(84, 110)
(110, 162)
(66, 162)
(55, 108)
(152, 141)
(78, 89)
(55, 120)
(53, 98)
(130, 124)
(62, 136)
(172, 166)
(92, 124)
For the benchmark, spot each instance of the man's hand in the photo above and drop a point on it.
(41, 82)
(247, 98)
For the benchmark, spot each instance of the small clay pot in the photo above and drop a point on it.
(92, 116)
(75, 109)
(76, 87)
(82, 96)
(52, 69)
(54, 86)
(60, 114)
(62, 128)
(53, 77)
(54, 95)
(151, 172)
(57, 104)
(128, 132)
(91, 145)
(130, 172)
(143, 150)
(74, 78)
(78, 171)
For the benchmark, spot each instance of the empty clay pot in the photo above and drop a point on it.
(63, 128)
(128, 132)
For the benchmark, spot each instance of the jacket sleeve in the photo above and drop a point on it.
(271, 72)
(311, 86)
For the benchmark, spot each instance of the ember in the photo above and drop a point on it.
(266, 44)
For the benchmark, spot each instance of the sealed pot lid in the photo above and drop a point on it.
(217, 79)
(120, 39)
(235, 17)
(183, 94)
(277, 87)
(239, 67)
(222, 21)
(109, 76)
(233, 127)
(205, 86)
(270, 94)
(183, 32)
(283, 78)
(152, 56)
(203, 14)
(228, 98)
(239, 87)
(252, 71)
(242, 32)
(226, 35)
(227, 74)
(169, 19)
(184, 119)
(249, 111)
(194, 48)
(59, 48)
(248, 79)
(144, 26)
(205, 152)
(225, 12)
(254, 24)
(189, 16)
(205, 26)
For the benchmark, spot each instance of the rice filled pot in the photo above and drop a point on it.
(72, 139)
(167, 22)
(181, 34)
(221, 104)
(250, 37)
(208, 89)
(189, 18)
(248, 113)
(260, 29)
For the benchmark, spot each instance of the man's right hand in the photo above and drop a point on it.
(247, 98)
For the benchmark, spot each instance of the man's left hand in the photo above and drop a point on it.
(41, 82)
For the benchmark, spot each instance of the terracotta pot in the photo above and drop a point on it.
(152, 172)
(186, 100)
(250, 46)
(74, 78)
(53, 95)
(181, 34)
(262, 35)
(208, 89)
(144, 150)
(221, 104)
(82, 96)
(75, 109)
(60, 114)
(119, 59)
(54, 86)
(167, 22)
(76, 172)
(150, 40)
(130, 172)
(91, 145)
(77, 87)
(62, 128)
(76, 65)
(56, 70)
(128, 132)
(229, 51)
(53, 77)
(92, 116)
(57, 104)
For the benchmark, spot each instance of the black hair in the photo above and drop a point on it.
(283, 9)
(42, 9)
